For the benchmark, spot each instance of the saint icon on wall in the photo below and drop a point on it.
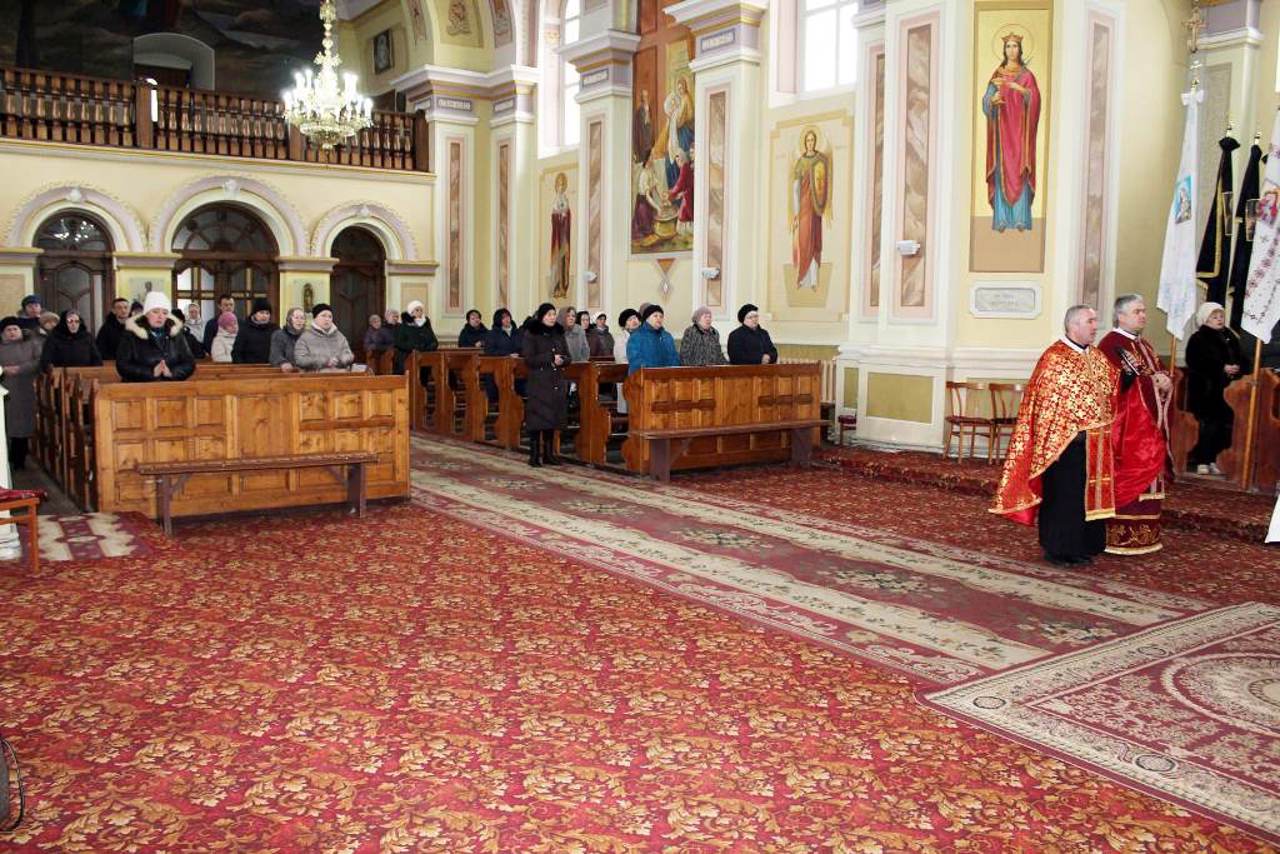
(561, 237)
(1012, 107)
(810, 202)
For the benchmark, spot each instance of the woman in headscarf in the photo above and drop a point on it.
(225, 339)
(285, 341)
(575, 337)
(70, 345)
(546, 410)
(700, 344)
(19, 361)
(323, 347)
(1214, 360)
(414, 334)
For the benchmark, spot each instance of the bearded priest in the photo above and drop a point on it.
(1059, 465)
(1141, 432)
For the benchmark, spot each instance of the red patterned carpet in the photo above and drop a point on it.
(411, 682)
(1192, 505)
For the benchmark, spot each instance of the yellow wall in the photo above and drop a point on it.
(1154, 54)
(901, 397)
(355, 45)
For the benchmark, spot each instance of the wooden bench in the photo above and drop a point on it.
(661, 442)
(172, 477)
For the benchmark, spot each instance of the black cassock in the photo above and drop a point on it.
(1064, 533)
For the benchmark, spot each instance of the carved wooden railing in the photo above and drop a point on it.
(55, 107)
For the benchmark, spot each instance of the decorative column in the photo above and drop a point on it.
(137, 273)
(513, 153)
(453, 101)
(603, 228)
(17, 276)
(304, 282)
(728, 83)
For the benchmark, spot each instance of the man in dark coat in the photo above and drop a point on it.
(113, 328)
(69, 345)
(253, 341)
(750, 344)
(153, 348)
(226, 303)
(546, 409)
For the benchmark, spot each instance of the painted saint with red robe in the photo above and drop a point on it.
(561, 237)
(1012, 107)
(810, 198)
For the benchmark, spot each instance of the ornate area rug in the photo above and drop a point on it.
(1190, 506)
(1188, 711)
(88, 536)
(939, 614)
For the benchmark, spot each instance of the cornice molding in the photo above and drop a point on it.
(610, 46)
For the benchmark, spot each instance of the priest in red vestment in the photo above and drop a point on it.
(1059, 467)
(1141, 435)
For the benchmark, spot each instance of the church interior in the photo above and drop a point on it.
(319, 531)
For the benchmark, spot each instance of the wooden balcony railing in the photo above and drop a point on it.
(57, 107)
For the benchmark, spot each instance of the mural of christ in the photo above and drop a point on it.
(1012, 107)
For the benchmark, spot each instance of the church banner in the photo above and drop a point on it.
(1262, 293)
(1178, 283)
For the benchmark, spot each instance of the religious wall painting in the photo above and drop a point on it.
(913, 294)
(418, 20)
(560, 246)
(504, 223)
(462, 23)
(663, 155)
(453, 217)
(809, 214)
(1098, 117)
(501, 22)
(873, 229)
(1012, 42)
(383, 52)
(717, 131)
(595, 211)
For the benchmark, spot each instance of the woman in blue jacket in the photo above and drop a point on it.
(651, 346)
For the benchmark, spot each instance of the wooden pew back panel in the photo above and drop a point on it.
(717, 397)
(248, 417)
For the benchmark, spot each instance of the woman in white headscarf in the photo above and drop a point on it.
(1214, 360)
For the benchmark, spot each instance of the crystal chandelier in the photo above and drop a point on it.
(322, 109)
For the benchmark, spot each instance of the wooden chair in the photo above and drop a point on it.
(958, 422)
(1005, 398)
(28, 500)
(845, 422)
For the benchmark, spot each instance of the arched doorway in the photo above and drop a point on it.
(74, 272)
(357, 287)
(226, 249)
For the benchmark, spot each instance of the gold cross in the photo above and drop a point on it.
(1194, 26)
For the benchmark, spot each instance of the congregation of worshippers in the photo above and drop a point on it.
(1087, 461)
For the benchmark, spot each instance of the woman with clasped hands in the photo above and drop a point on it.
(152, 347)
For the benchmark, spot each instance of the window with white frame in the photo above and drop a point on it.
(569, 116)
(826, 48)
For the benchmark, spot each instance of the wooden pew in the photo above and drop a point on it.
(684, 418)
(248, 418)
(452, 402)
(503, 371)
(1266, 432)
(596, 417)
(67, 431)
(1184, 429)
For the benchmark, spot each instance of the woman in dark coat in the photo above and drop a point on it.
(253, 341)
(547, 408)
(473, 331)
(1213, 361)
(750, 344)
(414, 333)
(70, 345)
(153, 348)
(20, 360)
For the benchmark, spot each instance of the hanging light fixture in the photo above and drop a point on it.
(324, 110)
